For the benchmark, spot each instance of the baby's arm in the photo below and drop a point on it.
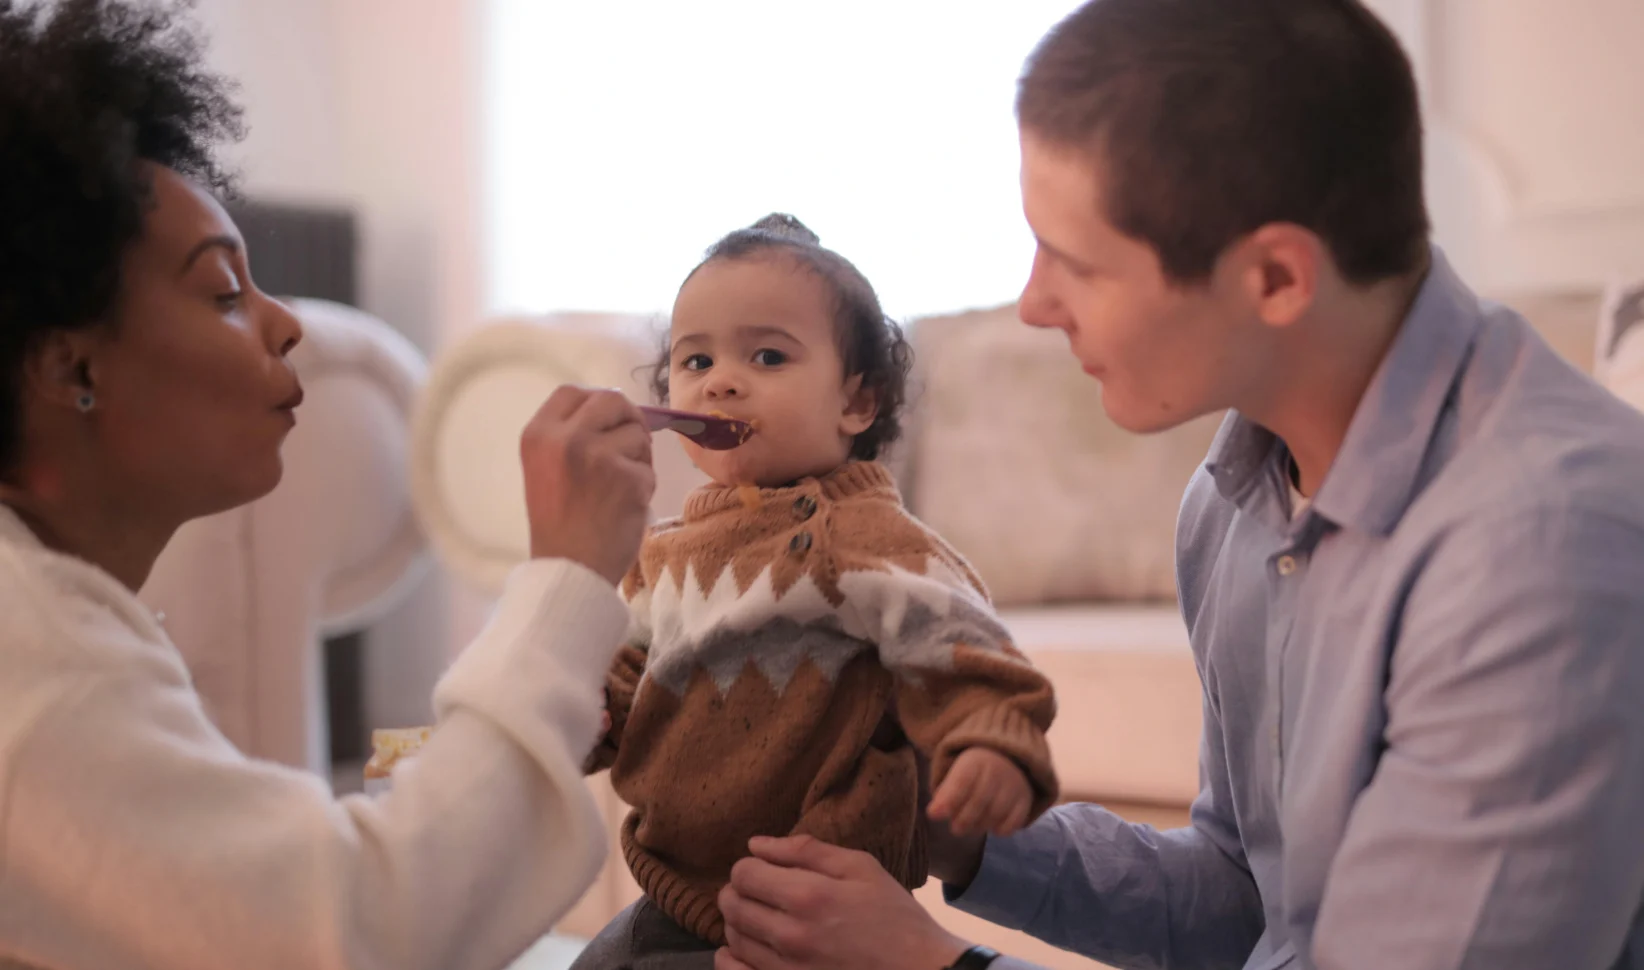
(965, 695)
(625, 673)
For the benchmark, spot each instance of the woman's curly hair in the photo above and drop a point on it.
(871, 345)
(88, 89)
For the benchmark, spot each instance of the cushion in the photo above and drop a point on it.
(1011, 458)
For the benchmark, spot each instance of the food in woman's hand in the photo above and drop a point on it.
(390, 746)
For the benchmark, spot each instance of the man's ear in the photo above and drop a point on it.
(1282, 263)
(58, 370)
(861, 407)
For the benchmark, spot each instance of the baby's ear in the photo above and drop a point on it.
(861, 407)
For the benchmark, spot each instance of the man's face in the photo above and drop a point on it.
(1164, 353)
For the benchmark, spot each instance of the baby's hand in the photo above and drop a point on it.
(983, 792)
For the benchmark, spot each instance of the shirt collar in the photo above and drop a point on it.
(1373, 479)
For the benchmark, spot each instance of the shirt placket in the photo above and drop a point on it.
(1286, 571)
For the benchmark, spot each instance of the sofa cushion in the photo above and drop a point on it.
(1011, 458)
(465, 473)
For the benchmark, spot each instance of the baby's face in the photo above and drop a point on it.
(754, 338)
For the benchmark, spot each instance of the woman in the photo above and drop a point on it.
(144, 382)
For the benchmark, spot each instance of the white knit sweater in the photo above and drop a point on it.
(132, 834)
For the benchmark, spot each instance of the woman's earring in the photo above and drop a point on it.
(86, 403)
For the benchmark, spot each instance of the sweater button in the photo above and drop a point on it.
(804, 506)
(800, 544)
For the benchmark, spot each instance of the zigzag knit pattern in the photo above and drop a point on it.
(782, 659)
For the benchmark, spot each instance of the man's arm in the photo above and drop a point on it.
(1502, 828)
(1080, 878)
(1085, 880)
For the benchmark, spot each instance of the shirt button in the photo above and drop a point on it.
(804, 507)
(1286, 565)
(800, 544)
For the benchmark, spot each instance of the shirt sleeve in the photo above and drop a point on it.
(134, 835)
(1501, 827)
(1086, 880)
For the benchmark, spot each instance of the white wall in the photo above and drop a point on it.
(1536, 153)
(284, 57)
(371, 104)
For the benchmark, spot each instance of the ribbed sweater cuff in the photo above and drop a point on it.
(541, 661)
(1003, 728)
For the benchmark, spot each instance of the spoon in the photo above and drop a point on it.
(712, 433)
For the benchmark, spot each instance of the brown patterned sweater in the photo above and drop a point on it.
(780, 660)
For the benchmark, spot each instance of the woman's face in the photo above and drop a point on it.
(194, 394)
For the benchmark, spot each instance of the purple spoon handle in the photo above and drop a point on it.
(714, 434)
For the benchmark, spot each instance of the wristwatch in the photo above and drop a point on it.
(975, 958)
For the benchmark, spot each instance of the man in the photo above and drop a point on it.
(1412, 565)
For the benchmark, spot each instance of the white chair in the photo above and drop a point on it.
(249, 595)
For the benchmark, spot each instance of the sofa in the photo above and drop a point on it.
(1067, 518)
(249, 595)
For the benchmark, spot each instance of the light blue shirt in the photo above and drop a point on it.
(1423, 698)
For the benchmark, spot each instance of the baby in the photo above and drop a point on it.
(790, 648)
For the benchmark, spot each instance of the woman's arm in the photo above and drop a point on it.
(136, 836)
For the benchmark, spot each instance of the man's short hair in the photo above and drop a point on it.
(1212, 118)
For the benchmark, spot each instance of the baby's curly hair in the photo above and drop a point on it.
(88, 89)
(871, 344)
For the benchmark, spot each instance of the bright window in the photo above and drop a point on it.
(625, 137)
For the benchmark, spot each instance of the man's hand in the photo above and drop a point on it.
(588, 479)
(801, 904)
(984, 792)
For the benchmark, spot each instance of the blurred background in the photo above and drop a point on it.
(498, 195)
(540, 155)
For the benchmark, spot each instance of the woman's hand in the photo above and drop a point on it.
(588, 479)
